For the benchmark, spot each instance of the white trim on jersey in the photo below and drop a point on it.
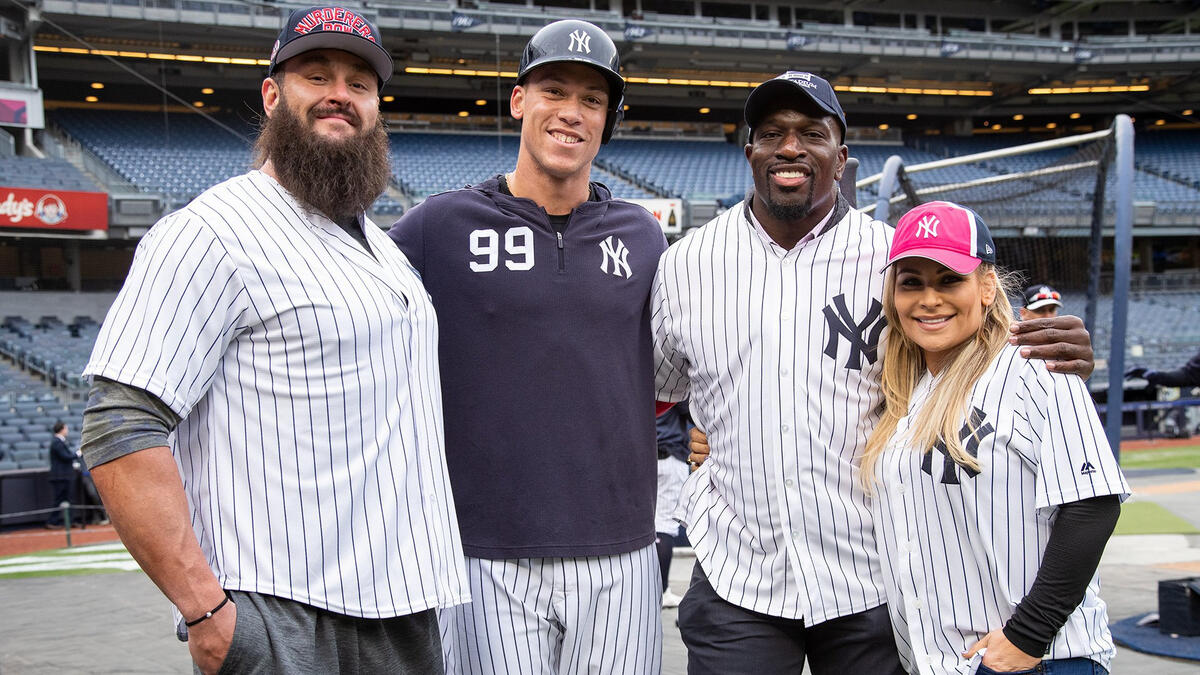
(776, 351)
(558, 616)
(959, 551)
(306, 373)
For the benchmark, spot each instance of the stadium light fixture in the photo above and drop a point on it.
(705, 111)
(91, 99)
(206, 91)
(198, 104)
(1051, 125)
(1159, 123)
(910, 116)
(1018, 117)
(97, 85)
(996, 127)
(1188, 112)
(625, 108)
(1074, 116)
(463, 113)
(883, 127)
(389, 98)
(480, 101)
(1093, 89)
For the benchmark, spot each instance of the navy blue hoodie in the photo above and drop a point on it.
(547, 368)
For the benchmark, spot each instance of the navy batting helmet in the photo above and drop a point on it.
(577, 41)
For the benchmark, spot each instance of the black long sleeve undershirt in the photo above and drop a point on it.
(1073, 552)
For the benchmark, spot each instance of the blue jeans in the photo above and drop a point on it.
(1079, 666)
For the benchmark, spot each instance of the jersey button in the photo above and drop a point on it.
(789, 482)
(785, 428)
(783, 372)
(917, 604)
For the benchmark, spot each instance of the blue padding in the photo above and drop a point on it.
(1149, 640)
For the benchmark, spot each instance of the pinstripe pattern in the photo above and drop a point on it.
(558, 616)
(958, 557)
(776, 516)
(306, 374)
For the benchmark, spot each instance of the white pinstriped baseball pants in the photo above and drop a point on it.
(558, 616)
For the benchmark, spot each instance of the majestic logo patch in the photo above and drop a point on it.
(615, 252)
(1086, 469)
(927, 226)
(970, 443)
(580, 42)
(863, 336)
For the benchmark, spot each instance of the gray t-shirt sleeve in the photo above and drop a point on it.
(120, 420)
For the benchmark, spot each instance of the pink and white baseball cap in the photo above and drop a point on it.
(944, 232)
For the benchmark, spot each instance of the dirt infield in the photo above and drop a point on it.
(40, 539)
(1157, 443)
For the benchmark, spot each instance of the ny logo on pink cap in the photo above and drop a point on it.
(927, 227)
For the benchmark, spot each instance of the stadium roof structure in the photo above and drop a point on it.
(972, 59)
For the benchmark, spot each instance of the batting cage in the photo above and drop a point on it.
(1061, 212)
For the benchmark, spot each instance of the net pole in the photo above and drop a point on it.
(1122, 260)
(1096, 243)
(887, 185)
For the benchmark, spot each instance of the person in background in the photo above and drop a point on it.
(1041, 302)
(63, 472)
(1186, 376)
(671, 427)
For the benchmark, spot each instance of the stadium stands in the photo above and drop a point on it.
(426, 163)
(28, 408)
(181, 155)
(50, 348)
(31, 172)
(178, 155)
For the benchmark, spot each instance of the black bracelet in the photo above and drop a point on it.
(209, 613)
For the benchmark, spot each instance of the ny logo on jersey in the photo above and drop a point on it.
(614, 250)
(970, 443)
(863, 336)
(927, 226)
(580, 42)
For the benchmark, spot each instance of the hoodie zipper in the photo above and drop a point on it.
(561, 254)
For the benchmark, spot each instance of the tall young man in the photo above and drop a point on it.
(542, 284)
(292, 351)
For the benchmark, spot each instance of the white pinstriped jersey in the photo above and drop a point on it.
(961, 549)
(306, 373)
(777, 352)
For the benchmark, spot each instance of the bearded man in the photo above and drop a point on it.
(265, 420)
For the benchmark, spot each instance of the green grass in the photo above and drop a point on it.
(1179, 457)
(1150, 518)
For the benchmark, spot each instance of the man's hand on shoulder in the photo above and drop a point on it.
(1061, 341)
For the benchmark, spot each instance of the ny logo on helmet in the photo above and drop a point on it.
(580, 42)
(927, 227)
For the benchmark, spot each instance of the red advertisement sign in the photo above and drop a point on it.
(53, 209)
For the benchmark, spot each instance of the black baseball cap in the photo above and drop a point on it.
(814, 87)
(1041, 295)
(331, 27)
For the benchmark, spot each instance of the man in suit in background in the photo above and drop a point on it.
(62, 472)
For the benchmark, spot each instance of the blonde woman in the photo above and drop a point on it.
(994, 487)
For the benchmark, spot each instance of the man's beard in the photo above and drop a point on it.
(791, 211)
(338, 178)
